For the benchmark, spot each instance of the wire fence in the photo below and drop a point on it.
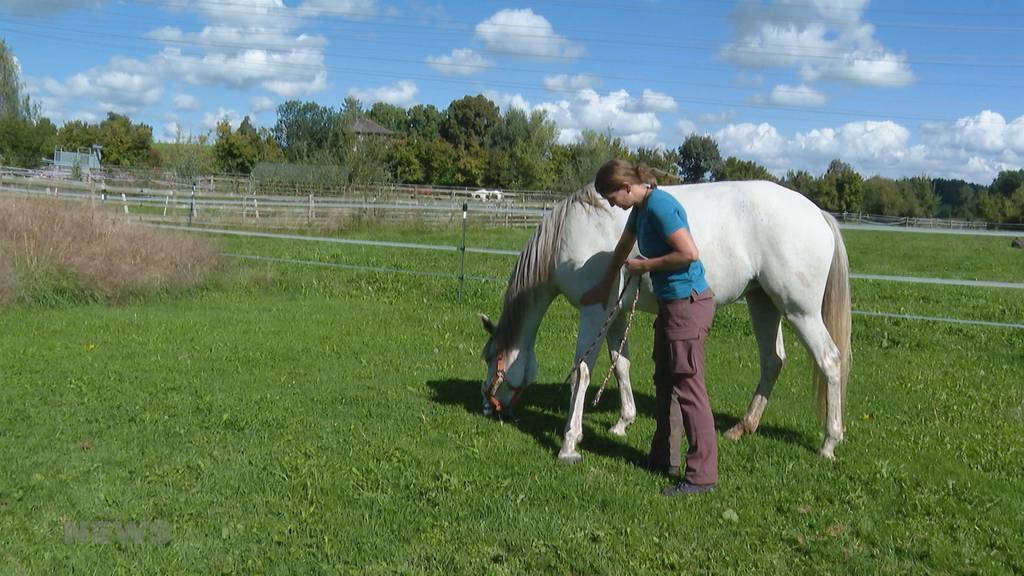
(240, 201)
(207, 213)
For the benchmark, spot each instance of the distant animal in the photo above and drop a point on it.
(1017, 243)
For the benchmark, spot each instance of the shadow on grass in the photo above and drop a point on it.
(725, 421)
(544, 410)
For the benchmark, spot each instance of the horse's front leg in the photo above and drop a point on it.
(574, 428)
(620, 366)
(587, 347)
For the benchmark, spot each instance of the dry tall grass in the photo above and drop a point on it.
(48, 244)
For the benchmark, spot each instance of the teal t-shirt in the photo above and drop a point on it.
(652, 222)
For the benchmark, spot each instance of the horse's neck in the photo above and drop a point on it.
(529, 314)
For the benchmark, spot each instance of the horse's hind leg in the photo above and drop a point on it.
(620, 366)
(827, 359)
(767, 322)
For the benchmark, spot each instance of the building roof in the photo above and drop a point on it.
(366, 126)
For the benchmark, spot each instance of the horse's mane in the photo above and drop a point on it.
(536, 263)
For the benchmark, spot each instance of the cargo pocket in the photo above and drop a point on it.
(681, 333)
(681, 356)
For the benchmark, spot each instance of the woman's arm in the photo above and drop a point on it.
(599, 293)
(683, 252)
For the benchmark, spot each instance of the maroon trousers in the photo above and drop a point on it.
(681, 399)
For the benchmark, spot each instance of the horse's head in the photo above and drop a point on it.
(509, 371)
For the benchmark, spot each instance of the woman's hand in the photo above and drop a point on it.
(596, 295)
(638, 266)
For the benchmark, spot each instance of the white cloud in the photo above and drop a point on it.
(567, 83)
(523, 33)
(260, 104)
(185, 102)
(123, 86)
(802, 95)
(506, 101)
(986, 132)
(685, 127)
(288, 74)
(973, 148)
(746, 140)
(347, 9)
(826, 40)
(651, 101)
(461, 62)
(211, 119)
(247, 46)
(620, 113)
(402, 93)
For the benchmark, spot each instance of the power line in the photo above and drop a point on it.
(460, 24)
(290, 71)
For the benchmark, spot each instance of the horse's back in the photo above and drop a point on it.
(757, 233)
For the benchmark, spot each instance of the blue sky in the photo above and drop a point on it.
(900, 88)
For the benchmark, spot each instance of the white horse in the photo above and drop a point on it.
(757, 240)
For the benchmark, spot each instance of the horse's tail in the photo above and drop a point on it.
(836, 313)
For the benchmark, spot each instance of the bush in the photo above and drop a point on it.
(53, 251)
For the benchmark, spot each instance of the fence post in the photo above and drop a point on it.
(192, 205)
(462, 252)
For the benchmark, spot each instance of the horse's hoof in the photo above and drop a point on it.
(572, 458)
(828, 448)
(735, 433)
(619, 429)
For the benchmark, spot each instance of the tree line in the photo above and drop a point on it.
(470, 143)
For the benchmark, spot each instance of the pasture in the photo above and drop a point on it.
(292, 419)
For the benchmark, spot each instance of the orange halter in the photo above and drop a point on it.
(499, 377)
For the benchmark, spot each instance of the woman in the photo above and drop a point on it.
(686, 308)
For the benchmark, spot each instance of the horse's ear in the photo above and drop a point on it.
(488, 325)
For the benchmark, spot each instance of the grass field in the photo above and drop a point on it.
(288, 419)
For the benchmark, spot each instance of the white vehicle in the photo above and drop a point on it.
(485, 194)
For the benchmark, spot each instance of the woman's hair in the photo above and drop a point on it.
(614, 173)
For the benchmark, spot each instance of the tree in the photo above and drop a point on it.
(520, 150)
(1015, 206)
(991, 207)
(305, 130)
(802, 182)
(14, 103)
(236, 152)
(392, 117)
(404, 164)
(735, 169)
(574, 165)
(25, 137)
(188, 157)
(125, 144)
(424, 122)
(841, 188)
(698, 156)
(25, 143)
(438, 159)
(469, 121)
(1007, 182)
(664, 163)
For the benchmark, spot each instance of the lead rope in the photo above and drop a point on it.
(622, 344)
(604, 328)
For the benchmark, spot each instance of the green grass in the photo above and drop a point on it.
(295, 420)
